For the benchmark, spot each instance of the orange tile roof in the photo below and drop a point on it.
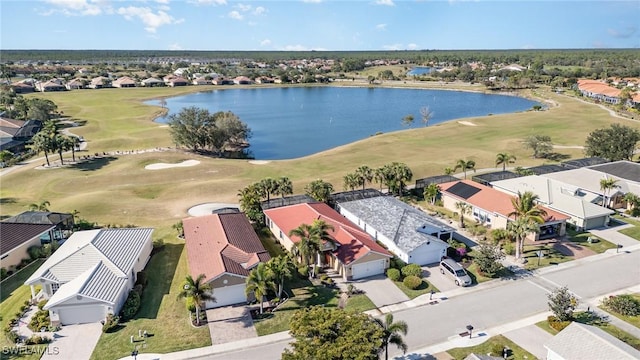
(494, 201)
(354, 243)
(222, 243)
(598, 87)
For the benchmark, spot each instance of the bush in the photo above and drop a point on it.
(41, 304)
(303, 271)
(488, 259)
(412, 270)
(39, 320)
(625, 305)
(190, 304)
(509, 248)
(141, 279)
(11, 336)
(498, 235)
(412, 282)
(158, 244)
(324, 277)
(139, 289)
(393, 274)
(35, 252)
(556, 324)
(131, 306)
(37, 340)
(397, 263)
(3, 273)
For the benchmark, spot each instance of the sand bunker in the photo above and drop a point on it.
(207, 208)
(467, 123)
(161, 166)
(259, 162)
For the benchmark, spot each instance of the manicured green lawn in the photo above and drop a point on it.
(478, 278)
(585, 318)
(424, 288)
(598, 247)
(161, 314)
(13, 294)
(269, 242)
(359, 303)
(493, 346)
(633, 232)
(551, 256)
(633, 320)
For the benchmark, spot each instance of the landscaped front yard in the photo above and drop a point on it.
(551, 256)
(633, 320)
(493, 346)
(634, 231)
(424, 288)
(599, 246)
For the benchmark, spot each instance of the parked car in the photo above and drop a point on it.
(454, 270)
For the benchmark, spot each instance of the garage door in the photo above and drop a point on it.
(81, 314)
(228, 295)
(367, 269)
(427, 254)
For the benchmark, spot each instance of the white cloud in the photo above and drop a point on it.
(299, 47)
(265, 42)
(393, 47)
(243, 7)
(209, 2)
(235, 15)
(412, 46)
(76, 7)
(312, 1)
(175, 46)
(151, 20)
(385, 2)
(259, 10)
(381, 26)
(162, 1)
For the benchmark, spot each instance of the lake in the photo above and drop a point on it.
(298, 121)
(421, 70)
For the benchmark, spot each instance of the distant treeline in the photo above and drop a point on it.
(609, 58)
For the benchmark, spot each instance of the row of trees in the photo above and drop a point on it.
(50, 141)
(199, 130)
(252, 195)
(394, 176)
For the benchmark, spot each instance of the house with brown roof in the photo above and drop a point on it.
(177, 81)
(492, 208)
(75, 84)
(100, 82)
(150, 82)
(50, 85)
(355, 255)
(201, 81)
(225, 248)
(17, 238)
(22, 88)
(242, 80)
(124, 82)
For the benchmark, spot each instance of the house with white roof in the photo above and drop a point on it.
(91, 274)
(562, 197)
(586, 342)
(409, 233)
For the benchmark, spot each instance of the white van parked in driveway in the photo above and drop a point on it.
(455, 271)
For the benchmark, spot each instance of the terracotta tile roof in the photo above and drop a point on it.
(13, 234)
(354, 243)
(598, 87)
(222, 243)
(495, 201)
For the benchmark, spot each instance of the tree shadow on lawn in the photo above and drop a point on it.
(160, 272)
(93, 163)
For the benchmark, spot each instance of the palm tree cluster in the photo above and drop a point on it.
(504, 159)
(528, 217)
(198, 291)
(394, 175)
(251, 195)
(606, 185)
(49, 140)
(465, 165)
(269, 276)
(312, 239)
(319, 190)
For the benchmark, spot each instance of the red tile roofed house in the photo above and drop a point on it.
(492, 207)
(357, 254)
(598, 90)
(176, 81)
(223, 247)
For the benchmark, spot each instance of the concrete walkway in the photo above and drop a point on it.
(612, 235)
(381, 290)
(531, 338)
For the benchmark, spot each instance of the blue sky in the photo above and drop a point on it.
(317, 24)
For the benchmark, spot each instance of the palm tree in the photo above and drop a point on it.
(283, 187)
(431, 192)
(281, 268)
(464, 209)
(504, 159)
(41, 142)
(198, 291)
(307, 245)
(41, 206)
(633, 200)
(397, 176)
(268, 186)
(448, 171)
(259, 283)
(380, 176)
(319, 190)
(351, 181)
(364, 174)
(606, 185)
(519, 229)
(525, 206)
(465, 165)
(392, 334)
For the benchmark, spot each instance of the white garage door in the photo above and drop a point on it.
(228, 295)
(80, 314)
(427, 254)
(367, 269)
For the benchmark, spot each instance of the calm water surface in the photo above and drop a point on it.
(293, 122)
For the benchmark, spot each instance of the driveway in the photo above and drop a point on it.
(230, 323)
(531, 338)
(73, 342)
(439, 280)
(381, 290)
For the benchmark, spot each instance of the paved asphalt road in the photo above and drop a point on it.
(508, 301)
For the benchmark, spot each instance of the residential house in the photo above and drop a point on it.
(100, 82)
(75, 84)
(17, 238)
(91, 274)
(176, 81)
(180, 72)
(225, 248)
(561, 197)
(242, 80)
(586, 342)
(492, 208)
(50, 85)
(22, 88)
(407, 232)
(63, 223)
(201, 81)
(14, 134)
(599, 90)
(124, 82)
(353, 253)
(150, 82)
(222, 81)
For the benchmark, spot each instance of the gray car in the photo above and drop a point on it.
(455, 271)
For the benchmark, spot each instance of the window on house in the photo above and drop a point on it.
(54, 288)
(280, 234)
